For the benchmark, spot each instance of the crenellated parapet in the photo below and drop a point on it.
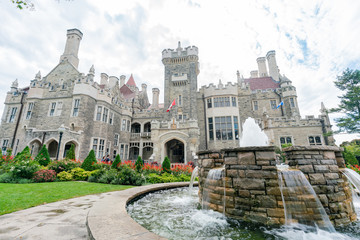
(180, 55)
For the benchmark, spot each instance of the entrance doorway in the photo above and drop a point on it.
(175, 151)
(53, 147)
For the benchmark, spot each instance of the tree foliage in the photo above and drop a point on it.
(89, 161)
(43, 156)
(70, 154)
(166, 165)
(23, 4)
(116, 162)
(139, 164)
(349, 83)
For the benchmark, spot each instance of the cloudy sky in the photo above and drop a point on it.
(314, 40)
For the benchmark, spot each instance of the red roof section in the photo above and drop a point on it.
(262, 83)
(126, 92)
(131, 81)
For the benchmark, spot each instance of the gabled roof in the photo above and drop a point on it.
(131, 81)
(262, 83)
(126, 92)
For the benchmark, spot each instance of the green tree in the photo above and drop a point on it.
(23, 4)
(89, 161)
(139, 164)
(349, 83)
(43, 156)
(70, 154)
(116, 162)
(166, 165)
(25, 154)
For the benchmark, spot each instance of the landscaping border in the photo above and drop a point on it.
(108, 218)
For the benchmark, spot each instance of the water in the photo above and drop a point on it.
(175, 214)
(301, 204)
(354, 179)
(214, 174)
(194, 175)
(252, 135)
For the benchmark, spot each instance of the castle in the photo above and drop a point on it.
(113, 117)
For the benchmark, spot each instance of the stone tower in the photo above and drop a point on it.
(273, 68)
(181, 71)
(74, 37)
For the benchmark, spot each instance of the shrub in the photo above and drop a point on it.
(24, 168)
(350, 158)
(79, 174)
(65, 176)
(63, 165)
(166, 165)
(24, 155)
(116, 162)
(43, 156)
(96, 174)
(6, 178)
(108, 176)
(89, 161)
(44, 175)
(139, 164)
(70, 154)
(129, 176)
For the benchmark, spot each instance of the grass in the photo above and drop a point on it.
(15, 197)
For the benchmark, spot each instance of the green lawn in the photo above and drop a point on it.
(14, 197)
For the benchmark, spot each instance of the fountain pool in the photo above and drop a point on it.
(176, 214)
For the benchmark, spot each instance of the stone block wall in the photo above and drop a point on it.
(251, 183)
(320, 164)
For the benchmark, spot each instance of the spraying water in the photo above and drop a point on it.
(301, 204)
(215, 174)
(252, 135)
(354, 178)
(194, 175)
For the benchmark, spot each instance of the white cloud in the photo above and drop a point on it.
(124, 37)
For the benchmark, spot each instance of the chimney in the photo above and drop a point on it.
(273, 68)
(261, 61)
(104, 79)
(254, 74)
(143, 87)
(112, 81)
(156, 93)
(70, 54)
(122, 80)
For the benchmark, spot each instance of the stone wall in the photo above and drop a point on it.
(252, 191)
(320, 164)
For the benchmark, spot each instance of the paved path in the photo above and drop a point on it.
(59, 220)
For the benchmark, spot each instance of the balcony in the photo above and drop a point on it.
(135, 136)
(146, 134)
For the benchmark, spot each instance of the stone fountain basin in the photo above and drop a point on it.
(108, 218)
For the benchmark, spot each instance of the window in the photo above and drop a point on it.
(123, 126)
(95, 145)
(111, 117)
(255, 105)
(233, 100)
(126, 151)
(4, 146)
(223, 128)
(52, 108)
(12, 114)
(315, 140)
(76, 107)
(222, 102)
(180, 100)
(98, 113)
(128, 125)
(101, 148)
(211, 128)
(209, 103)
(180, 117)
(29, 111)
(116, 139)
(292, 102)
(273, 104)
(236, 127)
(105, 115)
(122, 151)
(114, 154)
(108, 145)
(285, 140)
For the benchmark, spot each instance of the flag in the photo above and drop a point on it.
(280, 104)
(171, 105)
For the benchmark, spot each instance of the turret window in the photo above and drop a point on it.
(76, 107)
(315, 140)
(180, 100)
(209, 103)
(223, 128)
(236, 127)
(255, 105)
(222, 102)
(292, 102)
(273, 104)
(52, 109)
(105, 115)
(12, 114)
(98, 113)
(233, 101)
(285, 140)
(211, 128)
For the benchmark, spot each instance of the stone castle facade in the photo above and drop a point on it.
(115, 117)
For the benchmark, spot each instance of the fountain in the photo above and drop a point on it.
(252, 135)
